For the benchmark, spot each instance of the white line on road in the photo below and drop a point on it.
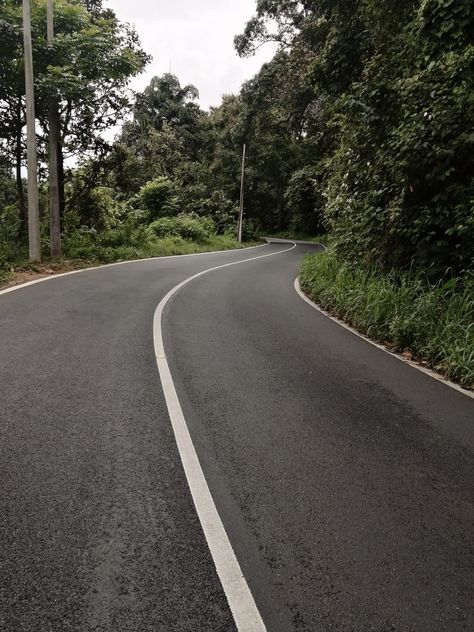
(241, 602)
(415, 365)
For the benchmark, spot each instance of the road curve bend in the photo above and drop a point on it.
(342, 477)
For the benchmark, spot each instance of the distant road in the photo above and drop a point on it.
(343, 477)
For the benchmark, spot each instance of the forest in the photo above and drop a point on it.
(359, 132)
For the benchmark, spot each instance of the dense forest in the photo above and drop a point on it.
(360, 128)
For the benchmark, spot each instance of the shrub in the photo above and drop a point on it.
(157, 197)
(223, 211)
(9, 223)
(190, 227)
(10, 252)
(96, 208)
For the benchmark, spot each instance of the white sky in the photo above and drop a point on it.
(195, 37)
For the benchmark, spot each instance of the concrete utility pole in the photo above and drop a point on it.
(54, 205)
(32, 157)
(241, 208)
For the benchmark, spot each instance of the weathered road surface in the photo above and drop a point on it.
(343, 477)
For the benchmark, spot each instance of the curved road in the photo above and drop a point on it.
(343, 477)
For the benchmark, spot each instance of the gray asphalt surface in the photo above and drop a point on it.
(343, 477)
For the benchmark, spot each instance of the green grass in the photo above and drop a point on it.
(434, 322)
(104, 253)
(127, 241)
(83, 251)
(5, 275)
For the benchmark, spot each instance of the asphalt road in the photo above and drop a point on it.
(343, 477)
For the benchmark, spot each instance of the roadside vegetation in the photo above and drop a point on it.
(184, 234)
(85, 252)
(430, 322)
(359, 130)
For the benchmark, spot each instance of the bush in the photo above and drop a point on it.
(190, 227)
(107, 247)
(158, 198)
(399, 185)
(9, 223)
(434, 321)
(95, 208)
(9, 232)
(223, 211)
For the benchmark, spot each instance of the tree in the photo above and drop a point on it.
(379, 95)
(158, 199)
(87, 68)
(12, 114)
(165, 103)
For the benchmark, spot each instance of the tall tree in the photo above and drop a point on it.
(87, 69)
(381, 95)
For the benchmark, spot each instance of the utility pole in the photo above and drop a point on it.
(54, 205)
(241, 208)
(32, 157)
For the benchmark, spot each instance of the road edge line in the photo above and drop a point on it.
(239, 597)
(433, 374)
(121, 263)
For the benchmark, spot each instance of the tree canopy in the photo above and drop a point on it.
(87, 67)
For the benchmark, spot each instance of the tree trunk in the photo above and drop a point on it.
(62, 196)
(54, 195)
(53, 106)
(19, 181)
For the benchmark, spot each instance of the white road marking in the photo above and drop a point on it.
(243, 607)
(415, 365)
(278, 240)
(121, 263)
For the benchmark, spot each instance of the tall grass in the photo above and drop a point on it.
(435, 322)
(102, 251)
(81, 250)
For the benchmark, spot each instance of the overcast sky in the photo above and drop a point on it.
(195, 39)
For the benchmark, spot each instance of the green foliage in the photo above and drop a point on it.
(158, 199)
(165, 102)
(445, 24)
(190, 227)
(380, 98)
(361, 124)
(405, 196)
(166, 134)
(95, 208)
(435, 322)
(10, 252)
(304, 201)
(11, 248)
(221, 210)
(180, 246)
(9, 223)
(8, 193)
(87, 69)
(132, 241)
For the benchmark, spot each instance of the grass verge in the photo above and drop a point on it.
(84, 255)
(433, 324)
